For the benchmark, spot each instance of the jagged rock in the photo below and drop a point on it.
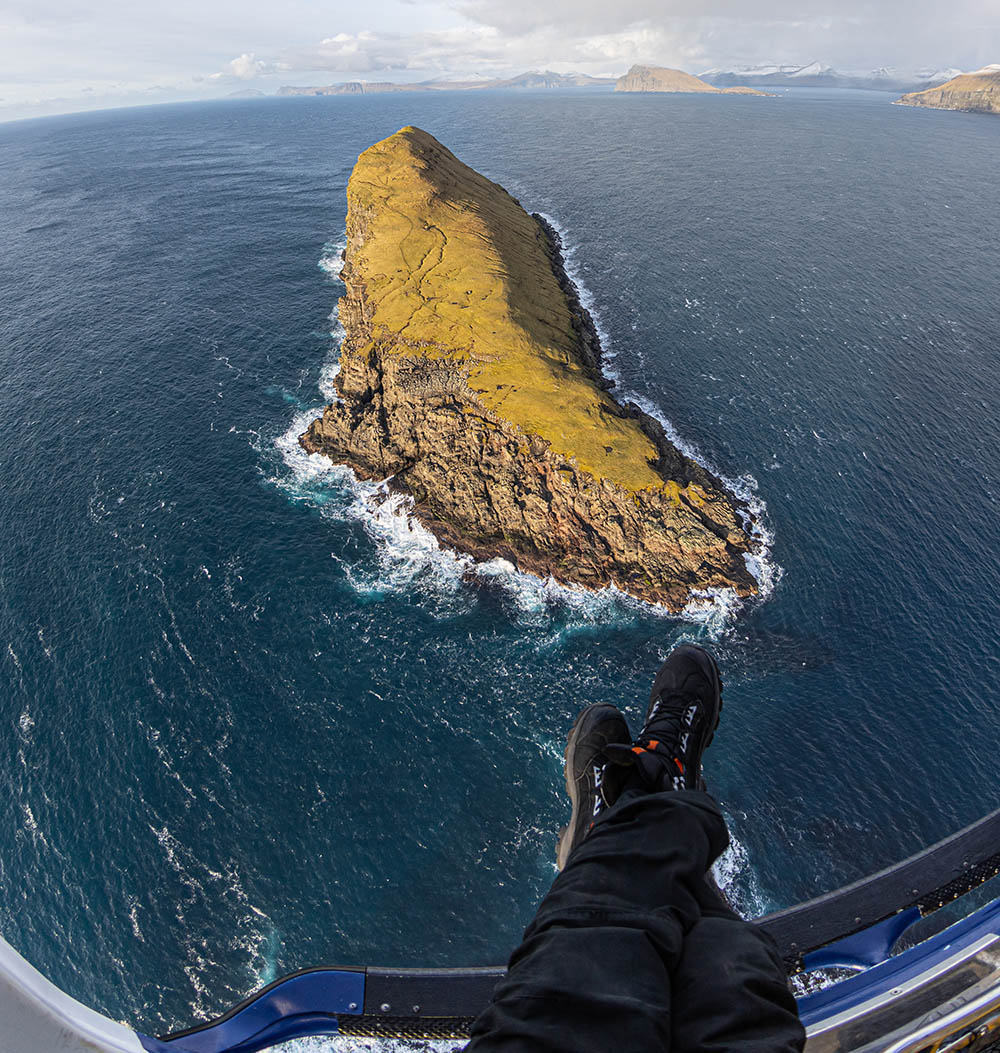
(470, 377)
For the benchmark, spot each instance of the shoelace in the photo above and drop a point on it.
(665, 736)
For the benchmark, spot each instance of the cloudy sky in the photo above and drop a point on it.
(60, 55)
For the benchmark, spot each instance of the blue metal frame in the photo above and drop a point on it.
(863, 949)
(892, 972)
(307, 1003)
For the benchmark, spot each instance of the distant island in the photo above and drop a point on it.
(532, 81)
(977, 92)
(471, 380)
(819, 75)
(661, 78)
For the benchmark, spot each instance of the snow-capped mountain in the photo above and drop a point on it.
(820, 75)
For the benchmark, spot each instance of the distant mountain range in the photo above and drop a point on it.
(818, 75)
(532, 81)
(813, 75)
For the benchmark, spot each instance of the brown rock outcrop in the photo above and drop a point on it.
(664, 79)
(470, 377)
(974, 92)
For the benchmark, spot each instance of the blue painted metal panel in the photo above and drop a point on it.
(306, 1004)
(903, 967)
(866, 948)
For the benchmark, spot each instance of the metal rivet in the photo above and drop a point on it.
(353, 1006)
(416, 1009)
(386, 1007)
(857, 921)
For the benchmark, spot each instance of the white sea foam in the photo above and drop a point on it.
(712, 609)
(217, 888)
(332, 259)
(133, 917)
(331, 262)
(406, 553)
(736, 878)
(31, 824)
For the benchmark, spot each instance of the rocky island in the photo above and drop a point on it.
(471, 379)
(661, 78)
(977, 92)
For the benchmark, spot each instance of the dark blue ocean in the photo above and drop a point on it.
(250, 724)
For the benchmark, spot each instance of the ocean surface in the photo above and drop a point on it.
(254, 720)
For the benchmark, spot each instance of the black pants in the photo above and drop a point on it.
(632, 951)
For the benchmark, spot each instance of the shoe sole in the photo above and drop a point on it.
(563, 846)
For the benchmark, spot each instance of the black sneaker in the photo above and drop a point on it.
(683, 714)
(596, 727)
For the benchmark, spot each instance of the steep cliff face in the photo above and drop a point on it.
(977, 92)
(661, 78)
(470, 375)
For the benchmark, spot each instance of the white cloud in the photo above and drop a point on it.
(245, 67)
(507, 36)
(471, 49)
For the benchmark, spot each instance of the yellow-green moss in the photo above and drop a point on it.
(453, 267)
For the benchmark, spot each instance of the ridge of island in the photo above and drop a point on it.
(470, 379)
(664, 79)
(977, 92)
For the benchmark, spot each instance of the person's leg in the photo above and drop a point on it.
(593, 971)
(609, 962)
(730, 991)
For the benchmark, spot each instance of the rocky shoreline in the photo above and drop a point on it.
(977, 92)
(471, 380)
